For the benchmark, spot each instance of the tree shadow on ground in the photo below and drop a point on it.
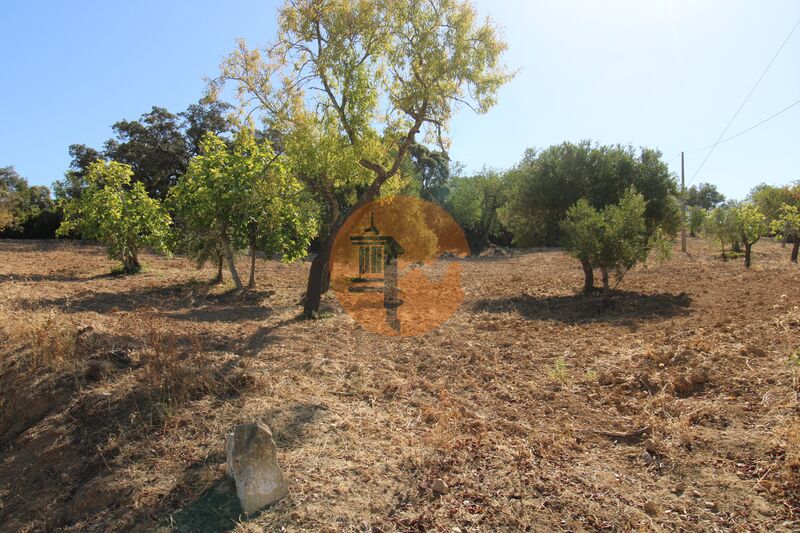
(184, 301)
(217, 508)
(168, 298)
(62, 278)
(579, 309)
(83, 440)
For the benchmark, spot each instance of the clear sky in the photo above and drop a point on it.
(667, 74)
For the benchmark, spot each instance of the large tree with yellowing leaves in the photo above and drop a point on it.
(351, 84)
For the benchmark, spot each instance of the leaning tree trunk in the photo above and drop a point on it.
(588, 276)
(747, 254)
(226, 249)
(253, 234)
(795, 248)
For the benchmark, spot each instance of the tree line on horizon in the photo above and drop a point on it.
(343, 95)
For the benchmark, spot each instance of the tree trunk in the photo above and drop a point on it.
(226, 249)
(326, 278)
(318, 278)
(220, 261)
(795, 248)
(253, 229)
(747, 251)
(251, 283)
(130, 262)
(588, 276)
(724, 257)
(606, 286)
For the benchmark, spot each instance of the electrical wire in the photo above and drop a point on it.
(754, 126)
(732, 137)
(736, 114)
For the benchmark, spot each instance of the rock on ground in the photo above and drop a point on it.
(253, 464)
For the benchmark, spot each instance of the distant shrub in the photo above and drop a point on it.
(117, 213)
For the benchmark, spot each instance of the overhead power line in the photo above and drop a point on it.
(754, 126)
(746, 98)
(732, 137)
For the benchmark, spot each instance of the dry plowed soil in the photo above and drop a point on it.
(675, 407)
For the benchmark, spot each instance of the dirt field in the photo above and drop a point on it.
(115, 394)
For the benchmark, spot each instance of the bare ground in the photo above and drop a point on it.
(115, 393)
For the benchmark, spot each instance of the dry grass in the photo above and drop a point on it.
(117, 391)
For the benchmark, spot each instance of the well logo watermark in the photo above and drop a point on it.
(395, 268)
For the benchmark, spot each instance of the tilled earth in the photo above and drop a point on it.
(675, 408)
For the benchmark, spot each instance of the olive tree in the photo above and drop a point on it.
(612, 239)
(117, 213)
(720, 225)
(473, 201)
(787, 227)
(545, 184)
(768, 199)
(696, 215)
(365, 79)
(751, 225)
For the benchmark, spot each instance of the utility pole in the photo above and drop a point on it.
(683, 208)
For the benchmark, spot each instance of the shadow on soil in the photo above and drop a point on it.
(83, 442)
(62, 278)
(184, 301)
(217, 509)
(577, 308)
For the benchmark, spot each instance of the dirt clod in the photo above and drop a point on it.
(440, 487)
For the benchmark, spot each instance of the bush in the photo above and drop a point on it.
(545, 184)
(120, 215)
(615, 238)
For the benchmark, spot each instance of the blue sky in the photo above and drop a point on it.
(667, 74)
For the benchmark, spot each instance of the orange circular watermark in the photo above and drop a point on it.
(393, 265)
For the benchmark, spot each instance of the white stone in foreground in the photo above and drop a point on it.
(253, 464)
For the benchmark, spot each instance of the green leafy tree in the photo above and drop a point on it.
(613, 239)
(157, 146)
(367, 77)
(154, 147)
(74, 181)
(704, 195)
(473, 201)
(720, 225)
(431, 169)
(696, 216)
(204, 117)
(751, 225)
(7, 201)
(769, 199)
(239, 195)
(25, 211)
(544, 185)
(14, 199)
(118, 213)
(787, 227)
